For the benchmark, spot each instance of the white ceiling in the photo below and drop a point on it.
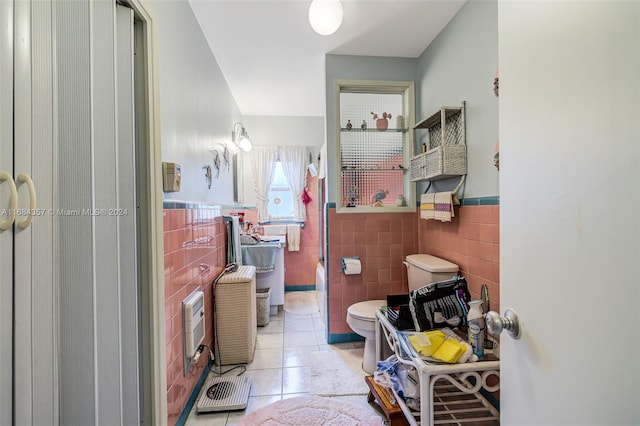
(274, 62)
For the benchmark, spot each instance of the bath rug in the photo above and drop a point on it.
(311, 411)
(337, 372)
(300, 302)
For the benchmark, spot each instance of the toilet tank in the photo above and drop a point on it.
(423, 269)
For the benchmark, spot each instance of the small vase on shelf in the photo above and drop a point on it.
(382, 123)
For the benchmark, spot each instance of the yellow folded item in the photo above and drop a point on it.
(450, 351)
(428, 342)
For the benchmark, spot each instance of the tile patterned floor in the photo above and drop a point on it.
(280, 368)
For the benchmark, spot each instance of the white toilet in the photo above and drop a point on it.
(422, 269)
(361, 317)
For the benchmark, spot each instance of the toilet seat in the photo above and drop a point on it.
(365, 311)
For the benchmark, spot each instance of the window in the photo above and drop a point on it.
(280, 196)
(279, 177)
(375, 146)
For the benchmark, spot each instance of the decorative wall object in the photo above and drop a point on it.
(376, 199)
(352, 196)
(225, 157)
(216, 163)
(382, 123)
(208, 175)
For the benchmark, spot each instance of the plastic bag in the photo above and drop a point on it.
(442, 345)
(440, 304)
(386, 373)
(391, 373)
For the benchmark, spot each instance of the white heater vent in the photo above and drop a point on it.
(193, 314)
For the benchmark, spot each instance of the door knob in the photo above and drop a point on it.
(510, 322)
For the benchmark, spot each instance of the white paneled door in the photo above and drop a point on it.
(69, 285)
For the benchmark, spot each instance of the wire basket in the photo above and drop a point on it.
(446, 160)
(418, 167)
(263, 302)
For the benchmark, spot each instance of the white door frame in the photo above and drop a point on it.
(152, 327)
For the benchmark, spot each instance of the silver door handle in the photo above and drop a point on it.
(510, 322)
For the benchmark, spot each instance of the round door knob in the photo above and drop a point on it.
(510, 322)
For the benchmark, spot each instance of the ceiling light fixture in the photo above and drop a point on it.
(325, 16)
(240, 137)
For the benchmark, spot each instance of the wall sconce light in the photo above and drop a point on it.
(240, 137)
(325, 16)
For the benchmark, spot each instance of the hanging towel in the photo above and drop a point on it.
(293, 237)
(437, 205)
(274, 230)
(263, 257)
(234, 255)
(306, 198)
(444, 206)
(427, 206)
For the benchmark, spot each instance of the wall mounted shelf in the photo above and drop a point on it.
(373, 129)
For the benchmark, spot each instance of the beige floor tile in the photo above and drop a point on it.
(274, 326)
(297, 357)
(269, 341)
(266, 358)
(295, 325)
(265, 382)
(300, 338)
(296, 380)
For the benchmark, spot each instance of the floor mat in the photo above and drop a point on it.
(337, 372)
(300, 302)
(311, 411)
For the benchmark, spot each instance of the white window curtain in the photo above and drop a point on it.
(294, 166)
(263, 166)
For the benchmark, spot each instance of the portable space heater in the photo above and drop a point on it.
(193, 314)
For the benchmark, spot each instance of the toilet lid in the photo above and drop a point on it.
(366, 310)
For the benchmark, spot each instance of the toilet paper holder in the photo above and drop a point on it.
(351, 265)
